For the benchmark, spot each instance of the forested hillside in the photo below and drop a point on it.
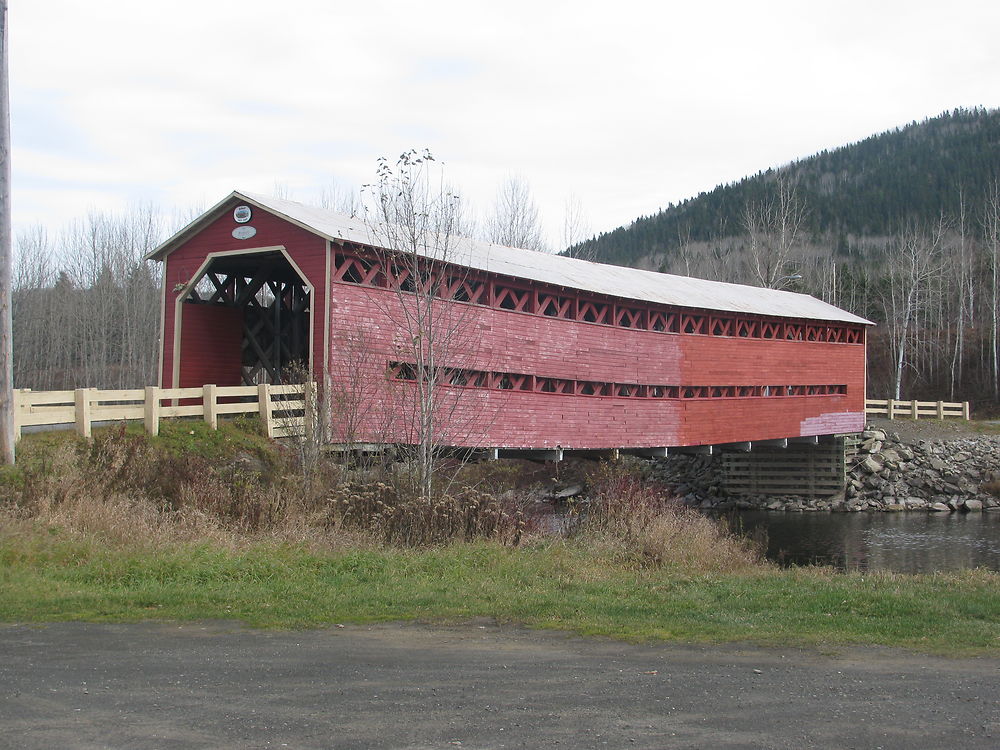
(902, 228)
(873, 188)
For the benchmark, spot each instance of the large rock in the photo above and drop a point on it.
(937, 464)
(939, 508)
(972, 504)
(912, 474)
(567, 492)
(871, 465)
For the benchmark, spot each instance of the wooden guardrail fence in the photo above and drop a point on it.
(285, 410)
(896, 409)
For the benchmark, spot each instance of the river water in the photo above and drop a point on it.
(899, 542)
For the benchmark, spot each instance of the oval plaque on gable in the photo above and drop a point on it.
(242, 214)
(244, 233)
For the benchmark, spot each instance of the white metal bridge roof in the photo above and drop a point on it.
(572, 273)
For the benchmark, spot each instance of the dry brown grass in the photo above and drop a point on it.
(125, 490)
(638, 521)
(402, 519)
(122, 490)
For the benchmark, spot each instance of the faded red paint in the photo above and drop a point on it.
(520, 342)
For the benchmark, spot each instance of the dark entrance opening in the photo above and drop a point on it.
(271, 301)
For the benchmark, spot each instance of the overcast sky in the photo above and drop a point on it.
(627, 106)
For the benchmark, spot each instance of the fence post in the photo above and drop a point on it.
(151, 410)
(264, 403)
(309, 410)
(208, 401)
(965, 411)
(913, 407)
(890, 408)
(81, 400)
(940, 410)
(18, 405)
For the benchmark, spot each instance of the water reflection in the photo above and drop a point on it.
(900, 542)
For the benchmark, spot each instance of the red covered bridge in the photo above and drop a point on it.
(554, 352)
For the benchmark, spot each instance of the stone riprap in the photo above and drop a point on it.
(887, 474)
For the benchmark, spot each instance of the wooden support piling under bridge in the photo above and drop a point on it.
(810, 469)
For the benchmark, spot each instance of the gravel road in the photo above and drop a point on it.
(217, 684)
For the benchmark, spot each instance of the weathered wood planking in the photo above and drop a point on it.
(893, 408)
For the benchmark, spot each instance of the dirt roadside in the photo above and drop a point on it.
(200, 685)
(910, 430)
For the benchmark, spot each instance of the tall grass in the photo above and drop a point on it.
(205, 525)
(640, 522)
(128, 489)
(194, 485)
(402, 519)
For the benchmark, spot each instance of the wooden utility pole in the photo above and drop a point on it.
(6, 343)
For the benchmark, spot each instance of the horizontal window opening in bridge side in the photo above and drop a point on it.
(507, 381)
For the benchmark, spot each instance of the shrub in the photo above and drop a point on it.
(402, 518)
(641, 522)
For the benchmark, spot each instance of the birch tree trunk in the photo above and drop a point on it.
(991, 232)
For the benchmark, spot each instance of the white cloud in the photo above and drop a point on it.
(628, 105)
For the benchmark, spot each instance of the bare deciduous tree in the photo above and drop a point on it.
(774, 227)
(415, 221)
(576, 228)
(991, 235)
(86, 307)
(915, 261)
(338, 197)
(962, 296)
(514, 221)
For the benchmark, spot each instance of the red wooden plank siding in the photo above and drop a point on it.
(506, 341)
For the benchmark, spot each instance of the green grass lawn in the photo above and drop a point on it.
(48, 576)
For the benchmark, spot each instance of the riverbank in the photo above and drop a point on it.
(198, 524)
(899, 466)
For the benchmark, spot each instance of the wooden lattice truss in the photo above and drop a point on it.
(275, 304)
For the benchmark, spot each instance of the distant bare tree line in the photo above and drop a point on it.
(86, 304)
